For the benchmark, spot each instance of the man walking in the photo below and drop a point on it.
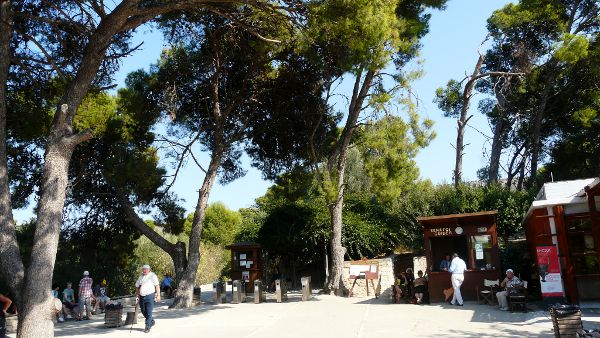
(85, 296)
(147, 290)
(457, 269)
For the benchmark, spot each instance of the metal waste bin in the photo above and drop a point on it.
(566, 320)
(306, 289)
(280, 290)
(219, 292)
(238, 292)
(259, 293)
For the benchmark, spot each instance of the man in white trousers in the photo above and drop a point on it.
(457, 269)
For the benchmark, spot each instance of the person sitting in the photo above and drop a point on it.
(167, 284)
(445, 263)
(397, 288)
(57, 305)
(509, 282)
(420, 286)
(71, 308)
(101, 295)
(5, 304)
(410, 277)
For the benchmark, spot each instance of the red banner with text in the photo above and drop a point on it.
(549, 268)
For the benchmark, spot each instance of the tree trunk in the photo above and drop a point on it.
(499, 130)
(463, 120)
(175, 250)
(185, 287)
(336, 167)
(536, 132)
(34, 315)
(10, 264)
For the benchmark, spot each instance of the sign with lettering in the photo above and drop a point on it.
(441, 231)
(550, 278)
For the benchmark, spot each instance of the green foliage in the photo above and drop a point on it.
(214, 259)
(252, 220)
(94, 113)
(571, 48)
(388, 151)
(369, 30)
(221, 225)
(449, 99)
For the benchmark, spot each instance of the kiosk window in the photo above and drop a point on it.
(442, 246)
(482, 251)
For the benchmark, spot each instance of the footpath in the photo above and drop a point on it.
(329, 316)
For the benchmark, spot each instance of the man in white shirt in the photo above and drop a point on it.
(147, 290)
(457, 269)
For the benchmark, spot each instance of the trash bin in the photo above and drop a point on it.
(566, 320)
(280, 291)
(306, 289)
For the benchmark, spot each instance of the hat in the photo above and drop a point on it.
(510, 270)
(146, 266)
(86, 273)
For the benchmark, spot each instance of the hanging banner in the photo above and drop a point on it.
(550, 279)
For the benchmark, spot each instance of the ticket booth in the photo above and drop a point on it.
(246, 263)
(473, 237)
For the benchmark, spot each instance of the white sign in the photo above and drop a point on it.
(478, 250)
(242, 256)
(552, 283)
(242, 263)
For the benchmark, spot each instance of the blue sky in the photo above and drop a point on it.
(449, 51)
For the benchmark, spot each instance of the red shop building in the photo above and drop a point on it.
(565, 215)
(473, 237)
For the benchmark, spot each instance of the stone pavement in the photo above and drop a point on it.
(329, 316)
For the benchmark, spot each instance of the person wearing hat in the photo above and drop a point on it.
(85, 296)
(101, 297)
(510, 281)
(147, 290)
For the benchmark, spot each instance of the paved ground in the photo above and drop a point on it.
(328, 316)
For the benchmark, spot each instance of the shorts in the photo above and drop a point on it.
(69, 305)
(102, 299)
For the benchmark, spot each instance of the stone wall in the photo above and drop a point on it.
(386, 279)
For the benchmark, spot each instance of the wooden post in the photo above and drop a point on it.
(594, 216)
(565, 254)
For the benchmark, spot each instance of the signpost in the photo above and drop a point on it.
(369, 270)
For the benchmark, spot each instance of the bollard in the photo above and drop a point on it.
(219, 292)
(280, 290)
(259, 294)
(306, 289)
(238, 291)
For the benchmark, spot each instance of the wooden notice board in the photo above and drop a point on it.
(364, 269)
